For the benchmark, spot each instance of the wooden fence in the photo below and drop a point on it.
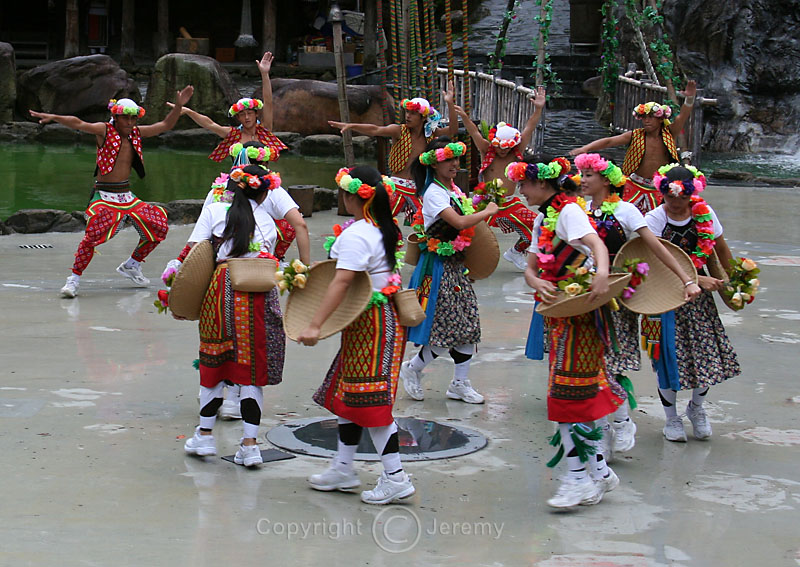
(632, 92)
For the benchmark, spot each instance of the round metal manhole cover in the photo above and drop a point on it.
(420, 439)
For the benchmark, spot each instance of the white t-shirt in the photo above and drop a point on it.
(360, 248)
(572, 225)
(657, 221)
(630, 218)
(434, 201)
(213, 219)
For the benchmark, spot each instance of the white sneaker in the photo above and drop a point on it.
(133, 274)
(334, 479)
(519, 259)
(411, 379)
(606, 484)
(624, 435)
(200, 445)
(389, 490)
(700, 424)
(70, 288)
(248, 455)
(573, 492)
(673, 430)
(465, 392)
(231, 406)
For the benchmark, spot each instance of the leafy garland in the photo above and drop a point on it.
(549, 76)
(609, 62)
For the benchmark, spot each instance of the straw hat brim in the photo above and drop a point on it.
(566, 306)
(304, 303)
(192, 280)
(662, 290)
(483, 254)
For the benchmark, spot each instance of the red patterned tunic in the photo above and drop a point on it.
(108, 152)
(235, 135)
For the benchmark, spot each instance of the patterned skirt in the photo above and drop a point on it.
(241, 335)
(626, 328)
(449, 302)
(703, 351)
(362, 381)
(578, 388)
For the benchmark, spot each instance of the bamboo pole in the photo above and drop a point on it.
(540, 55)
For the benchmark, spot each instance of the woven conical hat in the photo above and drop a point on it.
(303, 303)
(662, 290)
(566, 306)
(192, 280)
(483, 254)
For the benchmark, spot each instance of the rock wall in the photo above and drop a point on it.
(745, 53)
(8, 82)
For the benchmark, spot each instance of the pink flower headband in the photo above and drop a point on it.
(658, 110)
(504, 136)
(597, 163)
(417, 105)
(271, 180)
(125, 106)
(245, 104)
(690, 186)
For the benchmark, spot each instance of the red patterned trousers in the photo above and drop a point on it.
(105, 221)
(514, 216)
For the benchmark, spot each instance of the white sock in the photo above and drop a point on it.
(576, 468)
(668, 399)
(345, 454)
(131, 263)
(699, 396)
(622, 413)
(74, 278)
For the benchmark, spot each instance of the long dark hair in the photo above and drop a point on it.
(240, 222)
(423, 173)
(380, 210)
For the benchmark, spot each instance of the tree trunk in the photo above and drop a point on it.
(127, 40)
(162, 38)
(270, 42)
(496, 58)
(370, 35)
(71, 45)
(344, 109)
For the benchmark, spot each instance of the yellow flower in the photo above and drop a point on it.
(282, 286)
(299, 267)
(573, 289)
(300, 280)
(582, 271)
(748, 264)
(737, 300)
(279, 275)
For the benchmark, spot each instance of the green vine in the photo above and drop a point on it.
(501, 38)
(549, 78)
(609, 63)
(650, 18)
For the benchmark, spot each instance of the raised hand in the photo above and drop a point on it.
(184, 95)
(43, 117)
(691, 88)
(450, 93)
(342, 126)
(265, 65)
(540, 98)
(460, 111)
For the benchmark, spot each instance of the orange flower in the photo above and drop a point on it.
(365, 191)
(432, 244)
(337, 230)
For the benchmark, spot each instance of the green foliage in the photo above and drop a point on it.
(549, 78)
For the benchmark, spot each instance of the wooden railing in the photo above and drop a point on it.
(632, 92)
(494, 100)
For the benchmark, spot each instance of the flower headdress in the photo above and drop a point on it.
(450, 151)
(678, 187)
(519, 170)
(604, 167)
(245, 104)
(662, 111)
(504, 136)
(125, 106)
(355, 186)
(429, 113)
(238, 152)
(270, 180)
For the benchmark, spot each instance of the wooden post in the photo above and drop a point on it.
(269, 42)
(127, 41)
(542, 47)
(370, 35)
(162, 38)
(71, 44)
(336, 19)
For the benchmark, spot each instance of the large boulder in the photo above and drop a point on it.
(30, 221)
(305, 106)
(8, 82)
(214, 90)
(79, 86)
(746, 54)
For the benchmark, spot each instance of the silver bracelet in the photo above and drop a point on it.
(687, 284)
(689, 101)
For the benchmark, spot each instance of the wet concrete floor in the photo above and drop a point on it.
(97, 392)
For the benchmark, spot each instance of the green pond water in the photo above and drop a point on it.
(60, 177)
